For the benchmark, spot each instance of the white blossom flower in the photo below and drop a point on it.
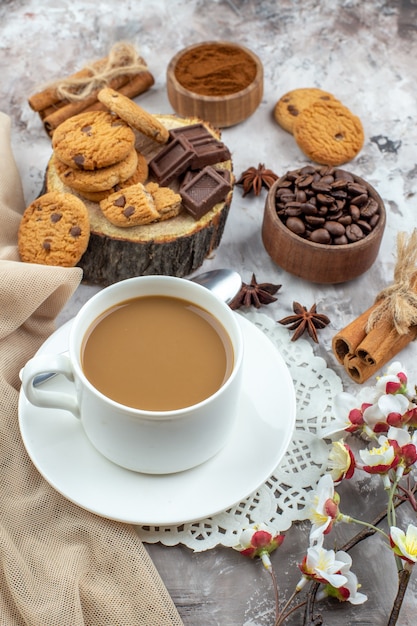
(323, 509)
(404, 544)
(379, 460)
(322, 566)
(341, 461)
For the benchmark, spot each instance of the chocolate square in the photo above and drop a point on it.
(193, 132)
(172, 160)
(204, 190)
(208, 151)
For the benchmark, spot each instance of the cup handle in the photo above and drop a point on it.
(42, 396)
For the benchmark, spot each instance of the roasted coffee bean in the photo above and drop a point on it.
(327, 178)
(326, 205)
(374, 220)
(355, 189)
(344, 175)
(324, 198)
(354, 232)
(292, 211)
(314, 220)
(335, 228)
(360, 200)
(300, 196)
(345, 220)
(304, 181)
(296, 225)
(354, 212)
(370, 208)
(340, 241)
(308, 208)
(321, 187)
(364, 226)
(320, 235)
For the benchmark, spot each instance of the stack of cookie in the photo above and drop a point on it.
(323, 128)
(94, 153)
(95, 156)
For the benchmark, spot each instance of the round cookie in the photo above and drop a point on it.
(328, 133)
(97, 180)
(129, 207)
(290, 105)
(54, 230)
(140, 175)
(93, 140)
(133, 114)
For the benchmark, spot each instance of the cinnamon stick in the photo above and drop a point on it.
(49, 96)
(56, 118)
(382, 343)
(377, 335)
(363, 354)
(347, 340)
(127, 85)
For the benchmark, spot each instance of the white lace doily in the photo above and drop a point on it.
(281, 500)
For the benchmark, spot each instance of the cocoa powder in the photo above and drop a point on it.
(215, 69)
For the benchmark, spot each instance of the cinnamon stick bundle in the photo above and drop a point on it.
(123, 70)
(371, 340)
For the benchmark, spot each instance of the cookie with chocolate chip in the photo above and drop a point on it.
(96, 180)
(290, 105)
(92, 140)
(54, 230)
(129, 207)
(140, 175)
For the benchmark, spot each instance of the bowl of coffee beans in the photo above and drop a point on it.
(323, 224)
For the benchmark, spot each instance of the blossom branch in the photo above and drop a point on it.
(309, 618)
(403, 579)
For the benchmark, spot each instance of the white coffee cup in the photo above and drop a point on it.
(152, 442)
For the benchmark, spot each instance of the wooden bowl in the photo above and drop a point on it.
(317, 262)
(222, 110)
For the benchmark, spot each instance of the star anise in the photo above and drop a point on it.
(304, 320)
(253, 179)
(256, 294)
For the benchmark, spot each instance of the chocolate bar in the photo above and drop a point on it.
(208, 150)
(172, 160)
(189, 174)
(193, 132)
(204, 191)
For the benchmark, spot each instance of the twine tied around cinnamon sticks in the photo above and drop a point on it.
(123, 70)
(123, 60)
(389, 325)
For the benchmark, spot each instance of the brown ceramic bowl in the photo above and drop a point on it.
(220, 110)
(318, 262)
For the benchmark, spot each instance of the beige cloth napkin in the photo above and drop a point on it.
(59, 564)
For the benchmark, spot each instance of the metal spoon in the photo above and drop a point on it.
(224, 283)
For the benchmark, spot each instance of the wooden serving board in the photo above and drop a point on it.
(174, 247)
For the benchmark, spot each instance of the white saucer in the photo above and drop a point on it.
(58, 447)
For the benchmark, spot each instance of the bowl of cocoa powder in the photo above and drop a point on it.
(323, 224)
(220, 82)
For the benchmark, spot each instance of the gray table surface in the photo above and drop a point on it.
(365, 54)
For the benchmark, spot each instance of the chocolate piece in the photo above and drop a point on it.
(193, 132)
(190, 174)
(208, 151)
(204, 191)
(172, 160)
